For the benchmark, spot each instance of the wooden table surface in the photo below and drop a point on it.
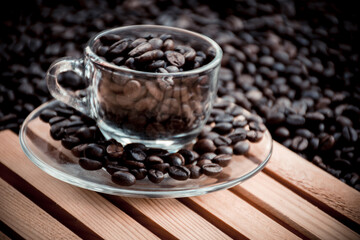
(289, 199)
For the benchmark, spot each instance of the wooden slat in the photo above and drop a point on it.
(224, 207)
(176, 218)
(314, 184)
(270, 196)
(94, 211)
(27, 219)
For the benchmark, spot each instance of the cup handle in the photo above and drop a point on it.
(69, 97)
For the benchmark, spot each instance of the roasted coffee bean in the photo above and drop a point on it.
(326, 141)
(204, 145)
(304, 133)
(224, 150)
(241, 147)
(150, 56)
(180, 173)
(282, 132)
(57, 119)
(47, 114)
(222, 141)
(239, 135)
(163, 167)
(222, 128)
(175, 58)
(90, 164)
(208, 155)
(112, 168)
(139, 173)
(211, 169)
(78, 151)
(140, 49)
(209, 135)
(123, 178)
(295, 120)
(253, 136)
(131, 146)
(84, 133)
(299, 144)
(203, 161)
(175, 159)
(114, 150)
(133, 163)
(153, 159)
(135, 154)
(224, 118)
(70, 141)
(94, 151)
(223, 159)
(155, 176)
(189, 156)
(195, 171)
(349, 134)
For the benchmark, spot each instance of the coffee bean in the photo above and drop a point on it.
(123, 178)
(224, 150)
(282, 132)
(180, 173)
(115, 150)
(350, 134)
(295, 120)
(78, 151)
(326, 141)
(223, 159)
(175, 159)
(155, 176)
(304, 133)
(70, 141)
(222, 128)
(254, 136)
(202, 162)
(211, 169)
(163, 167)
(204, 145)
(136, 154)
(209, 135)
(90, 164)
(188, 155)
(222, 141)
(47, 114)
(132, 163)
(94, 151)
(139, 173)
(175, 58)
(112, 168)
(195, 171)
(241, 147)
(140, 49)
(150, 56)
(299, 144)
(153, 159)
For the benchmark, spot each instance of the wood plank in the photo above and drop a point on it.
(90, 208)
(270, 196)
(175, 217)
(27, 219)
(316, 185)
(224, 207)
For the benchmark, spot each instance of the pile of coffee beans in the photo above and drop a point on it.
(295, 63)
(152, 53)
(228, 132)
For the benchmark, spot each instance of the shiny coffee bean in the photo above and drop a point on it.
(90, 164)
(204, 145)
(223, 159)
(211, 169)
(241, 147)
(123, 178)
(155, 176)
(180, 173)
(195, 171)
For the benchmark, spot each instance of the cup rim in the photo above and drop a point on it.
(100, 61)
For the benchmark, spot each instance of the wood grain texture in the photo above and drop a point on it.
(313, 183)
(176, 218)
(272, 197)
(90, 208)
(27, 219)
(244, 219)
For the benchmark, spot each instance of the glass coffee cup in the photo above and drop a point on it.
(161, 110)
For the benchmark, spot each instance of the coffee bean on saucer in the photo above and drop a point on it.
(90, 164)
(123, 178)
(70, 142)
(179, 172)
(94, 151)
(114, 150)
(155, 176)
(241, 147)
(139, 173)
(189, 156)
(223, 159)
(112, 168)
(224, 150)
(211, 169)
(78, 151)
(204, 145)
(195, 171)
(175, 159)
(47, 114)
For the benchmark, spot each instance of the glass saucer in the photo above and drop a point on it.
(50, 156)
